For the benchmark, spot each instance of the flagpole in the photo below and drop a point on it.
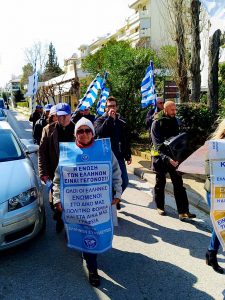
(33, 91)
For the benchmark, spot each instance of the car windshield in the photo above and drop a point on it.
(9, 147)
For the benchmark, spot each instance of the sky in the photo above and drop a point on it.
(67, 24)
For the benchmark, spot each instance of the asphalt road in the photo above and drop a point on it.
(153, 257)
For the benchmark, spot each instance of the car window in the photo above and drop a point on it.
(2, 113)
(9, 147)
(2, 105)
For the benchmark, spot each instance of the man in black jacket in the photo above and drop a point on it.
(82, 113)
(113, 126)
(41, 123)
(164, 127)
(36, 115)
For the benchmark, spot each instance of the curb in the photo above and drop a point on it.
(194, 198)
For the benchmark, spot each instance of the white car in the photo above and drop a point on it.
(22, 213)
(3, 115)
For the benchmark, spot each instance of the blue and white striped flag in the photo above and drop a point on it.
(102, 101)
(103, 96)
(91, 93)
(148, 87)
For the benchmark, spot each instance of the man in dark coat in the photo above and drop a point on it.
(48, 157)
(41, 123)
(164, 127)
(83, 113)
(36, 115)
(113, 126)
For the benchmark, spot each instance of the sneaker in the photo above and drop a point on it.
(161, 212)
(94, 279)
(186, 216)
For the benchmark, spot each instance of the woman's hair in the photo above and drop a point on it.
(219, 133)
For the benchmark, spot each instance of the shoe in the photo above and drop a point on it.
(186, 216)
(59, 225)
(161, 212)
(211, 260)
(94, 279)
(118, 206)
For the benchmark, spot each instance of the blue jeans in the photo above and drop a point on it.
(124, 175)
(214, 241)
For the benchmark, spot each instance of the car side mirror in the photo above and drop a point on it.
(31, 149)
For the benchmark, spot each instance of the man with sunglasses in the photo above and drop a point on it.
(113, 126)
(48, 158)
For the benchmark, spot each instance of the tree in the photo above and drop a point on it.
(52, 68)
(28, 70)
(195, 52)
(168, 57)
(126, 67)
(179, 29)
(36, 56)
(18, 95)
(181, 50)
(213, 85)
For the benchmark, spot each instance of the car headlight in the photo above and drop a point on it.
(22, 199)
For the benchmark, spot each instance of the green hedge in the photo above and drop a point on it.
(23, 104)
(197, 120)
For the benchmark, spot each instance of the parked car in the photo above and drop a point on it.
(2, 103)
(3, 115)
(22, 212)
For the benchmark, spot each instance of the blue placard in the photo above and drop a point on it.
(86, 195)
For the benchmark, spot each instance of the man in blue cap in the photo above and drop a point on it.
(41, 123)
(48, 158)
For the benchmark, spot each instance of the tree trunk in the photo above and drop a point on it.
(181, 52)
(213, 86)
(195, 52)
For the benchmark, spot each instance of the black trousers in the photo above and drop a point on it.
(178, 189)
(91, 260)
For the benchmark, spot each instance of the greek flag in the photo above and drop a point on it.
(102, 101)
(148, 87)
(103, 96)
(91, 93)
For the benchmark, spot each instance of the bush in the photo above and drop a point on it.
(23, 104)
(197, 120)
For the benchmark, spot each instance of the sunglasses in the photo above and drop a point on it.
(82, 131)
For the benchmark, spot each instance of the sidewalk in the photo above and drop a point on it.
(194, 185)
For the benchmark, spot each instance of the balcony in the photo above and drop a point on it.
(141, 33)
(143, 14)
(144, 32)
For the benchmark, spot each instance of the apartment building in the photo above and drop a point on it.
(146, 27)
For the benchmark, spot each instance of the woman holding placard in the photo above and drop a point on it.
(211, 254)
(87, 185)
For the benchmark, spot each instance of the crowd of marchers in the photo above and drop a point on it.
(54, 124)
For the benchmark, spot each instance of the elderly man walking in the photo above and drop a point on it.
(48, 158)
(164, 127)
